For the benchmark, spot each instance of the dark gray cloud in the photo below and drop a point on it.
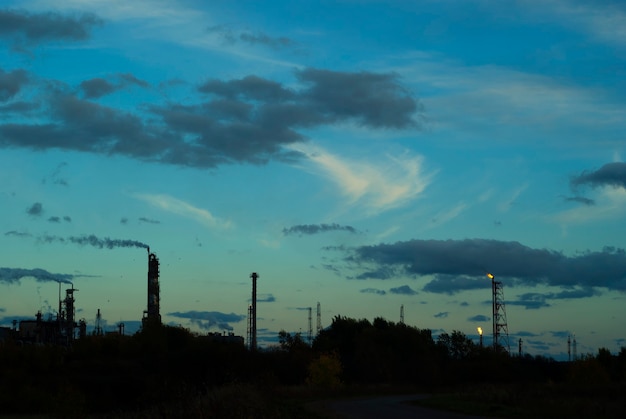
(123, 220)
(560, 333)
(382, 272)
(611, 174)
(54, 219)
(530, 301)
(457, 265)
(372, 99)
(149, 220)
(373, 291)
(14, 275)
(441, 315)
(209, 319)
(479, 318)
(22, 27)
(259, 38)
(67, 218)
(98, 87)
(248, 120)
(580, 200)
(265, 298)
(404, 290)
(524, 333)
(316, 228)
(94, 241)
(11, 83)
(232, 36)
(35, 210)
(17, 234)
(539, 300)
(20, 108)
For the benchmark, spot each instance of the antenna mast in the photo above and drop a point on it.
(500, 327)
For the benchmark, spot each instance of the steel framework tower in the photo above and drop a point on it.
(249, 328)
(252, 314)
(310, 333)
(319, 318)
(500, 327)
(402, 314)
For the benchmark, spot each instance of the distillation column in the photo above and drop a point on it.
(153, 314)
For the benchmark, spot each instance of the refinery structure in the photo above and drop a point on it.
(64, 328)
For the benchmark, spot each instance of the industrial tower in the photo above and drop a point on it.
(152, 316)
(319, 318)
(252, 314)
(310, 333)
(500, 327)
(402, 314)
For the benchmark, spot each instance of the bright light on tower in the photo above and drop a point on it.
(480, 330)
(490, 276)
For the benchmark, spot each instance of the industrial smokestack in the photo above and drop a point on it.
(152, 315)
(252, 319)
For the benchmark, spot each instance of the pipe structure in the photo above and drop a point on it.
(153, 313)
(253, 344)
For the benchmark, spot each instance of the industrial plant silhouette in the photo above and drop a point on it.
(53, 366)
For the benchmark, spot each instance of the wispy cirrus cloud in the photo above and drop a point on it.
(378, 186)
(184, 209)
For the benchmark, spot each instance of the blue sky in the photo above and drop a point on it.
(360, 154)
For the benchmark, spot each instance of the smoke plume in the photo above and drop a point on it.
(94, 241)
(14, 275)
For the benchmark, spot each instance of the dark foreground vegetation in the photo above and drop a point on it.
(169, 372)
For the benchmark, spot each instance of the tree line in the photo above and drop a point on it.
(103, 374)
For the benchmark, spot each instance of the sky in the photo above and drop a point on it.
(366, 155)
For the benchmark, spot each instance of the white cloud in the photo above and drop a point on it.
(376, 186)
(507, 204)
(184, 209)
(605, 22)
(610, 204)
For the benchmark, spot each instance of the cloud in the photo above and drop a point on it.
(184, 209)
(257, 38)
(54, 219)
(14, 275)
(378, 186)
(248, 120)
(67, 218)
(11, 83)
(17, 234)
(265, 298)
(371, 99)
(209, 319)
(441, 315)
(23, 27)
(316, 228)
(535, 300)
(149, 220)
(611, 174)
(580, 199)
(479, 318)
(455, 265)
(404, 290)
(98, 87)
(373, 291)
(35, 210)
